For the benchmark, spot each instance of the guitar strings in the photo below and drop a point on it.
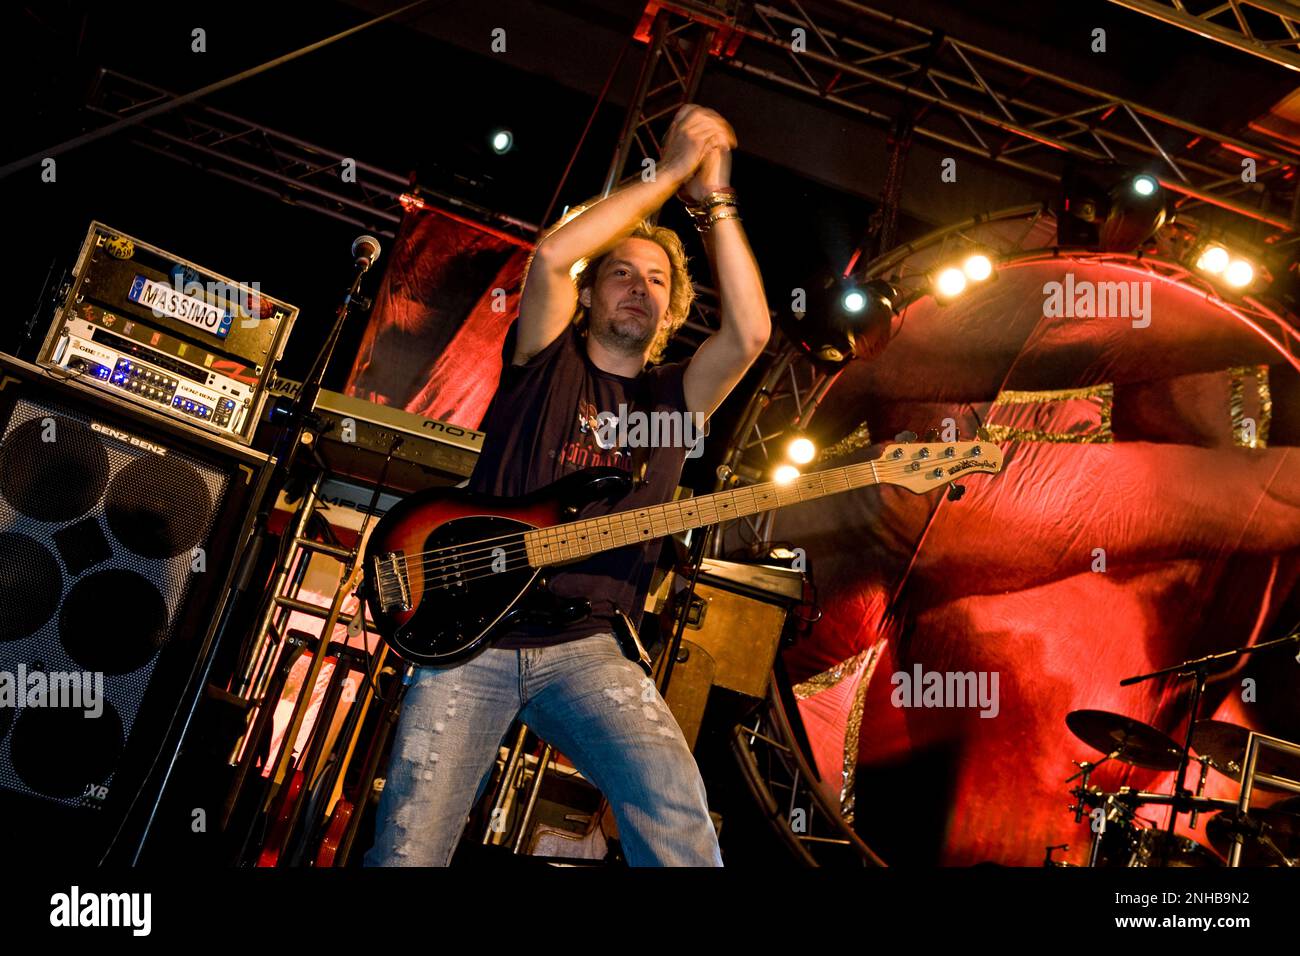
(893, 471)
(468, 562)
(491, 555)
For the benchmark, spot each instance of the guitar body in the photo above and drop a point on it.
(438, 587)
(447, 568)
(279, 833)
(340, 819)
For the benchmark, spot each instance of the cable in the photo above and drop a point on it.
(181, 100)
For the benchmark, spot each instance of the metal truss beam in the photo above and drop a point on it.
(270, 161)
(1268, 29)
(985, 104)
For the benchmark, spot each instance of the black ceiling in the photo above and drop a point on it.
(421, 94)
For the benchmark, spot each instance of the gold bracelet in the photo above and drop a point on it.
(719, 197)
(706, 225)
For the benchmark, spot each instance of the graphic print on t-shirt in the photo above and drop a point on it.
(587, 451)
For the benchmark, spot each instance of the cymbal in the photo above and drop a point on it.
(1138, 743)
(1224, 744)
(1281, 827)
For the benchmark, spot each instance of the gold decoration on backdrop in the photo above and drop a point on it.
(867, 661)
(1237, 403)
(860, 437)
(1103, 395)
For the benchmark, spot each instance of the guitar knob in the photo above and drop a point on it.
(955, 491)
(905, 437)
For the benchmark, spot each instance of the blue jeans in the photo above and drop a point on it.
(585, 699)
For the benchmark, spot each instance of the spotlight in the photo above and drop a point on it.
(977, 267)
(1134, 215)
(841, 321)
(1239, 274)
(853, 301)
(801, 450)
(949, 283)
(1109, 207)
(1220, 262)
(1145, 185)
(1213, 260)
(502, 140)
(785, 474)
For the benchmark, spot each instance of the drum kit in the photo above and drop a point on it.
(1122, 838)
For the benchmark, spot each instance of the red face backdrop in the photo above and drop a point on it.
(1129, 530)
(433, 343)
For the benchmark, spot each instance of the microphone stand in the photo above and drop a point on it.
(1199, 668)
(297, 418)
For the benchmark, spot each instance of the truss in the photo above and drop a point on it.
(783, 785)
(982, 103)
(260, 157)
(1268, 29)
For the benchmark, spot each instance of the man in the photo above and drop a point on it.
(573, 359)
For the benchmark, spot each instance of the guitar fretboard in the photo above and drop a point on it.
(579, 539)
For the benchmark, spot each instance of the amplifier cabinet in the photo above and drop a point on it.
(119, 537)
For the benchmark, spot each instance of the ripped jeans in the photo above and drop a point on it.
(585, 699)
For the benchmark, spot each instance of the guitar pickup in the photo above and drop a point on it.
(393, 584)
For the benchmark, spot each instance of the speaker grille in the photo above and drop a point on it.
(52, 474)
(125, 517)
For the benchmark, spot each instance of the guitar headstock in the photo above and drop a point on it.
(923, 466)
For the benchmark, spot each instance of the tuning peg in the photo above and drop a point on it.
(955, 491)
(905, 437)
(931, 435)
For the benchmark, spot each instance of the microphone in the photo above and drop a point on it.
(728, 477)
(365, 250)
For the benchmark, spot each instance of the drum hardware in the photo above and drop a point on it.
(1048, 861)
(1124, 738)
(1199, 670)
(1268, 836)
(1224, 745)
(1124, 838)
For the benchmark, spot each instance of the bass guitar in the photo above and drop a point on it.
(446, 569)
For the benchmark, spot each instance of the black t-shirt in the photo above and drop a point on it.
(544, 422)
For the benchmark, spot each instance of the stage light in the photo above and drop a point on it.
(841, 321)
(1217, 260)
(950, 282)
(1109, 207)
(502, 140)
(1145, 185)
(785, 474)
(1239, 274)
(1214, 260)
(977, 267)
(1133, 216)
(801, 450)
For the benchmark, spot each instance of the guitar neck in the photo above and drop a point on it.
(577, 539)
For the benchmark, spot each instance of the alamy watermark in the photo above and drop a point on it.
(1084, 299)
(948, 689)
(638, 429)
(82, 690)
(74, 908)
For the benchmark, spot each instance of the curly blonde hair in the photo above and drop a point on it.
(681, 291)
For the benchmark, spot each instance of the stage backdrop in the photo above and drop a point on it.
(1130, 529)
(433, 343)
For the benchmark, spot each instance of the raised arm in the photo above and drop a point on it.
(548, 299)
(724, 357)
